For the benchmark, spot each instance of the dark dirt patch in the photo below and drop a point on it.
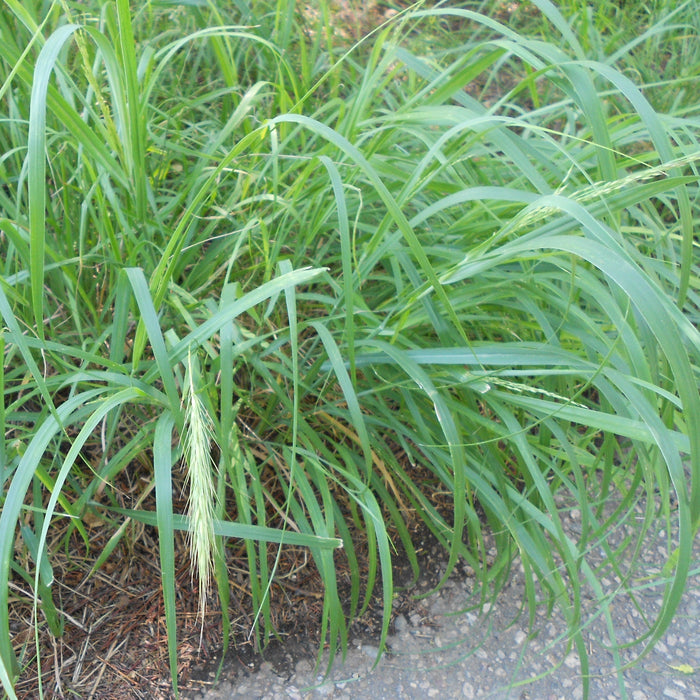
(114, 642)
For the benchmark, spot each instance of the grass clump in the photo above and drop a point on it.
(335, 280)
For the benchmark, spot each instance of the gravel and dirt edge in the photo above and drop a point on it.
(438, 651)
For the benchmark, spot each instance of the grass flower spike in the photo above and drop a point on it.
(200, 467)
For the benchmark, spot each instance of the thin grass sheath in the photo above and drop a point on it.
(288, 290)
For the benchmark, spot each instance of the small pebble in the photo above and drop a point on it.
(571, 661)
(468, 691)
(400, 623)
(369, 650)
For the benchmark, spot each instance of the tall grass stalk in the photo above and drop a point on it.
(446, 275)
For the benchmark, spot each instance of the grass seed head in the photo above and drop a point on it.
(202, 492)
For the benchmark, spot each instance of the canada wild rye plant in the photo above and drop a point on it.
(334, 281)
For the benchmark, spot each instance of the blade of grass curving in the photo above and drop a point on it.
(631, 428)
(36, 166)
(346, 261)
(162, 475)
(117, 125)
(149, 317)
(225, 528)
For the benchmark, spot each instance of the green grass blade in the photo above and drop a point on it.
(162, 474)
(149, 316)
(241, 531)
(36, 166)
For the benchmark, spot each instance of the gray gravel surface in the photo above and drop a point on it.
(447, 648)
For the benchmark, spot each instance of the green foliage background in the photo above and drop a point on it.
(460, 247)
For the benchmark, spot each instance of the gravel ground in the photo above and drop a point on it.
(436, 651)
